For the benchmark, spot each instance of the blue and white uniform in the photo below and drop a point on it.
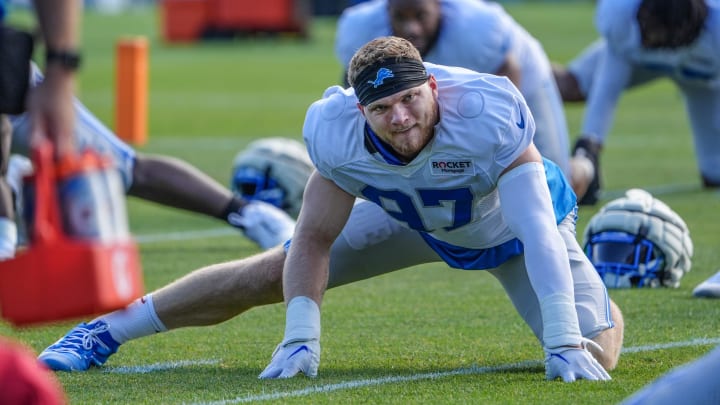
(89, 133)
(444, 204)
(479, 36)
(618, 61)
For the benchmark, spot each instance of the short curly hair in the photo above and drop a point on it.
(671, 24)
(377, 50)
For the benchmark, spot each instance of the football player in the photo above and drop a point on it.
(443, 162)
(475, 35)
(643, 40)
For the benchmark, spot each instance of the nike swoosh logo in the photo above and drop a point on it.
(521, 124)
(560, 357)
(299, 349)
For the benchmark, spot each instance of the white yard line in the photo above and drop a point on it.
(144, 239)
(149, 368)
(390, 379)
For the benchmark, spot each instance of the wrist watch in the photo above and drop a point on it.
(68, 59)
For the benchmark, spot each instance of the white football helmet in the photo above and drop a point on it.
(274, 170)
(638, 241)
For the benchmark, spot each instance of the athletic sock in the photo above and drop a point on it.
(137, 320)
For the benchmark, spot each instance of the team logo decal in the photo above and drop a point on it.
(444, 167)
(382, 74)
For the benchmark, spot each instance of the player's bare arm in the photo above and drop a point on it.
(325, 210)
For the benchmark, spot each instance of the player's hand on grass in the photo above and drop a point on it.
(573, 363)
(292, 357)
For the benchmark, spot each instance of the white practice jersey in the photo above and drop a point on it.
(473, 34)
(449, 191)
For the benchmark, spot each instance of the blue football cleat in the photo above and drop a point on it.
(85, 345)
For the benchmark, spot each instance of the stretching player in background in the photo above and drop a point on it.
(475, 35)
(175, 183)
(466, 187)
(643, 40)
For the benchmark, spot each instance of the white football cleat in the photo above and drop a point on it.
(709, 288)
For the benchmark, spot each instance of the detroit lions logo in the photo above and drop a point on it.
(382, 74)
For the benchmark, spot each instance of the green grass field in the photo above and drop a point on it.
(422, 335)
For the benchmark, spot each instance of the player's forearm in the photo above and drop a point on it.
(527, 209)
(326, 208)
(306, 271)
(531, 217)
(60, 23)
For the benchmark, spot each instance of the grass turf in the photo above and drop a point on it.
(421, 335)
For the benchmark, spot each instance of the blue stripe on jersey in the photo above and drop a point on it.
(474, 259)
(564, 202)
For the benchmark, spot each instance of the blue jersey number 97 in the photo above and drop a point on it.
(401, 206)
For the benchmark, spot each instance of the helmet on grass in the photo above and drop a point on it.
(273, 170)
(638, 241)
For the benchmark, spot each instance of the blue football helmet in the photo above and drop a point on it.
(638, 241)
(273, 170)
(254, 184)
(625, 260)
